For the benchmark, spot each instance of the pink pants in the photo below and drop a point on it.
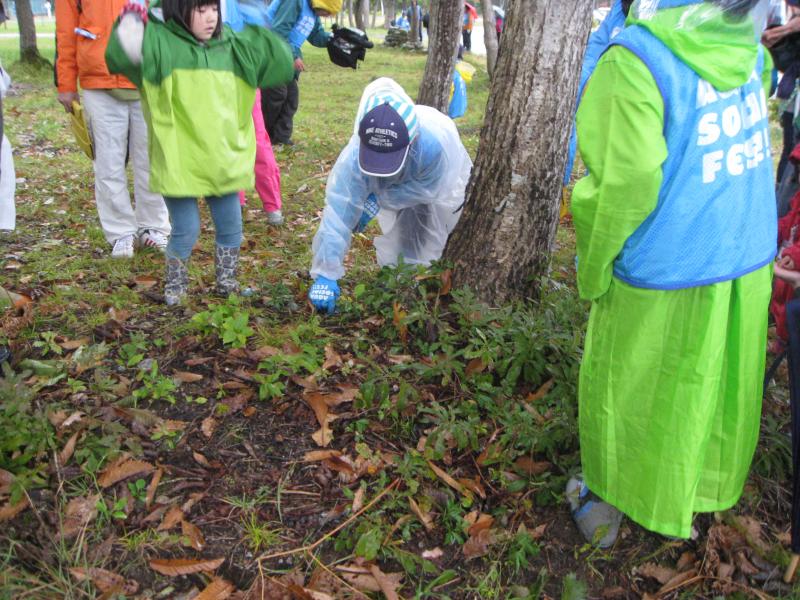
(268, 175)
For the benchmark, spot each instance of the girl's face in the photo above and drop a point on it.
(204, 22)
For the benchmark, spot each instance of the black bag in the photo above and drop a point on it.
(347, 46)
(786, 52)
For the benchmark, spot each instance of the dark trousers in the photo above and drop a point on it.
(278, 104)
(467, 36)
(787, 123)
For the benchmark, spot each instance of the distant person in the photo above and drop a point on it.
(467, 23)
(404, 165)
(114, 113)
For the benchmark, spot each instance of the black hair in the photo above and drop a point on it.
(736, 9)
(181, 11)
(626, 6)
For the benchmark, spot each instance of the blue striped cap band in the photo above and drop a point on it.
(403, 108)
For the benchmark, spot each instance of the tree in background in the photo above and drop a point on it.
(489, 36)
(443, 38)
(501, 247)
(28, 50)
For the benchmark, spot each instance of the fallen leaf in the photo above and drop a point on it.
(677, 581)
(56, 418)
(476, 365)
(424, 517)
(483, 521)
(120, 315)
(173, 426)
(659, 573)
(474, 486)
(541, 392)
(388, 582)
(332, 359)
(686, 560)
(122, 469)
(68, 449)
(106, 581)
(397, 319)
(358, 500)
(145, 282)
(151, 489)
(75, 344)
(208, 426)
(433, 553)
(447, 282)
(186, 376)
(752, 531)
(399, 359)
(527, 466)
(6, 479)
(173, 517)
(218, 589)
(73, 418)
(8, 511)
(441, 474)
(201, 460)
(491, 453)
(79, 512)
(318, 455)
(264, 352)
(341, 464)
(478, 545)
(184, 566)
(7, 297)
(323, 436)
(201, 360)
(194, 535)
(193, 499)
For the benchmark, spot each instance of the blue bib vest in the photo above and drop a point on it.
(715, 219)
(304, 26)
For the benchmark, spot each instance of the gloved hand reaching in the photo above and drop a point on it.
(371, 209)
(323, 294)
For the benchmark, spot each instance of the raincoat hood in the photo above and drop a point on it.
(718, 47)
(332, 6)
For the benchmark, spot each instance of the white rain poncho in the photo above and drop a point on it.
(419, 206)
(8, 178)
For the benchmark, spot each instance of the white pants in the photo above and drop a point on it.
(118, 130)
(8, 186)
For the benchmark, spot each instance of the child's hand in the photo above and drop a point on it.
(299, 65)
(787, 263)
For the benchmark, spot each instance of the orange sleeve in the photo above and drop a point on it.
(66, 45)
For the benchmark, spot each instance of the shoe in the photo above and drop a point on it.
(597, 521)
(177, 280)
(151, 238)
(226, 264)
(288, 143)
(275, 217)
(123, 247)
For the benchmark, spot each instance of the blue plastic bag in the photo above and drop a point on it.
(458, 104)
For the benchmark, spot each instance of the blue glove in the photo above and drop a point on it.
(323, 294)
(371, 209)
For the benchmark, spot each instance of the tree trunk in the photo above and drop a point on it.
(501, 246)
(413, 21)
(350, 13)
(389, 13)
(28, 51)
(444, 32)
(362, 14)
(489, 37)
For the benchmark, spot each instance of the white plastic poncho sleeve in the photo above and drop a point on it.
(419, 206)
(8, 178)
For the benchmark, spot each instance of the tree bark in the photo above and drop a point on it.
(444, 33)
(414, 23)
(502, 244)
(362, 14)
(375, 4)
(489, 37)
(350, 13)
(28, 51)
(389, 12)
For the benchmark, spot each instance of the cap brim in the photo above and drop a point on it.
(381, 164)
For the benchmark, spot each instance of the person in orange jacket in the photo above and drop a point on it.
(114, 117)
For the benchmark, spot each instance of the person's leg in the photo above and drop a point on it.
(286, 127)
(151, 212)
(268, 175)
(787, 124)
(107, 119)
(185, 218)
(227, 216)
(272, 101)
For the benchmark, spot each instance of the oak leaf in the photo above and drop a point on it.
(184, 566)
(122, 469)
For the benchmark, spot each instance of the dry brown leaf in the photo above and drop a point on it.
(474, 486)
(8, 511)
(424, 517)
(433, 553)
(145, 282)
(399, 359)
(752, 531)
(541, 392)
(725, 570)
(73, 418)
(68, 450)
(388, 582)
(74, 344)
(208, 426)
(527, 466)
(658, 572)
(201, 460)
(57, 417)
(151, 489)
(677, 581)
(483, 521)
(264, 352)
(491, 453)
(79, 512)
(186, 376)
(120, 315)
(744, 564)
(122, 469)
(322, 436)
(173, 517)
(358, 500)
(249, 411)
(441, 474)
(184, 566)
(174, 426)
(398, 314)
(218, 589)
(447, 282)
(686, 561)
(332, 358)
(194, 535)
(478, 545)
(318, 455)
(476, 365)
(106, 581)
(193, 499)
(6, 479)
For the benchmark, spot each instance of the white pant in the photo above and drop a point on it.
(118, 130)
(8, 186)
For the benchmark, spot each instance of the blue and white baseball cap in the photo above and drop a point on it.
(386, 130)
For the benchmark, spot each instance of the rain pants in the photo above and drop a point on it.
(670, 382)
(8, 179)
(419, 206)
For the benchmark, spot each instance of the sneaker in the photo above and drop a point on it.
(123, 247)
(598, 521)
(275, 217)
(150, 238)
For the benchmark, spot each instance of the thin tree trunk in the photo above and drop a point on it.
(489, 36)
(414, 23)
(362, 14)
(389, 13)
(502, 244)
(444, 33)
(375, 4)
(350, 12)
(28, 51)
